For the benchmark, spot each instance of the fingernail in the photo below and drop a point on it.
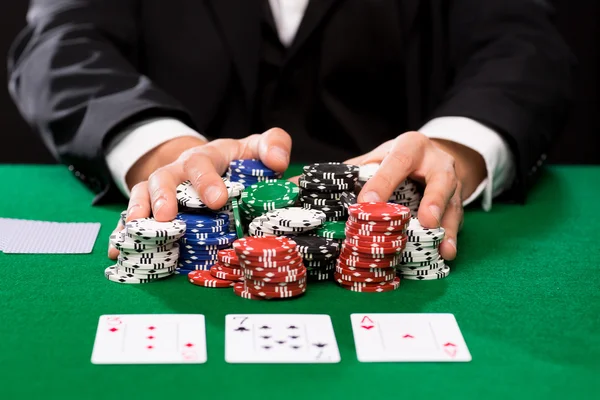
(279, 154)
(452, 243)
(158, 204)
(437, 214)
(371, 196)
(212, 194)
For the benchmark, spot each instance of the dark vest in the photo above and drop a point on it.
(289, 96)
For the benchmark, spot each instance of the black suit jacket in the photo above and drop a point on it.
(83, 69)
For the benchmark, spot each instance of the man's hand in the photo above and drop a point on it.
(449, 170)
(155, 177)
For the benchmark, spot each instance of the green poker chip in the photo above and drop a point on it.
(266, 196)
(238, 219)
(332, 230)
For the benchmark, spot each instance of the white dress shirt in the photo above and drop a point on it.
(134, 142)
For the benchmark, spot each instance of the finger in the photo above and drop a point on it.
(294, 179)
(273, 148)
(204, 166)
(404, 155)
(161, 189)
(452, 221)
(441, 181)
(113, 253)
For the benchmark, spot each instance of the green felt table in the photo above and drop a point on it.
(525, 290)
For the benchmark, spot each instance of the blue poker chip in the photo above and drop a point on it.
(203, 220)
(210, 229)
(251, 167)
(192, 236)
(203, 247)
(187, 268)
(228, 238)
(194, 258)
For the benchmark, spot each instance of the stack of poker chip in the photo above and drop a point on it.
(421, 259)
(224, 273)
(289, 221)
(406, 194)
(334, 230)
(204, 236)
(250, 172)
(272, 268)
(319, 256)
(261, 197)
(148, 251)
(322, 185)
(375, 238)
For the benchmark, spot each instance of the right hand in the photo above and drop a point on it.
(203, 166)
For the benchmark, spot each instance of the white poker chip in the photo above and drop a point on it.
(152, 252)
(366, 172)
(296, 217)
(151, 228)
(416, 229)
(147, 264)
(121, 241)
(188, 197)
(440, 274)
(111, 273)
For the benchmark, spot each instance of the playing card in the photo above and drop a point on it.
(43, 237)
(280, 338)
(408, 337)
(150, 339)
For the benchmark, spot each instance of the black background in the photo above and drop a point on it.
(578, 21)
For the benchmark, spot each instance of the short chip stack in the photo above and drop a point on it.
(322, 185)
(289, 221)
(375, 238)
(406, 194)
(148, 251)
(261, 197)
(319, 256)
(224, 273)
(272, 268)
(250, 172)
(421, 259)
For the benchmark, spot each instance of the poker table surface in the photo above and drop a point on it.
(525, 290)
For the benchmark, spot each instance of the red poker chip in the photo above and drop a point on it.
(239, 290)
(375, 228)
(350, 231)
(292, 261)
(228, 256)
(372, 263)
(377, 238)
(283, 269)
(378, 211)
(344, 282)
(398, 222)
(266, 246)
(225, 275)
(274, 273)
(383, 245)
(220, 267)
(388, 287)
(275, 295)
(277, 278)
(204, 278)
(366, 256)
(275, 287)
(341, 268)
(374, 248)
(362, 279)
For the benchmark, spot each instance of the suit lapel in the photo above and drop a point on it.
(314, 14)
(240, 24)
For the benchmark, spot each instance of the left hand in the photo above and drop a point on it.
(450, 171)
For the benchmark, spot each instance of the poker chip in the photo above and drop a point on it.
(150, 228)
(266, 247)
(228, 256)
(204, 278)
(332, 230)
(113, 274)
(296, 217)
(378, 211)
(332, 170)
(440, 274)
(203, 220)
(265, 196)
(238, 219)
(188, 197)
(251, 167)
(387, 287)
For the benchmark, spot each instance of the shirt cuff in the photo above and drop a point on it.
(128, 146)
(499, 160)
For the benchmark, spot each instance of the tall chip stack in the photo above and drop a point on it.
(272, 268)
(250, 172)
(322, 185)
(421, 259)
(148, 250)
(207, 231)
(375, 239)
(406, 194)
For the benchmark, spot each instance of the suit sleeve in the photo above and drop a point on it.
(73, 76)
(513, 73)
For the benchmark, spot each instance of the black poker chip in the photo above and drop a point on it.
(315, 245)
(318, 201)
(331, 170)
(322, 187)
(347, 199)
